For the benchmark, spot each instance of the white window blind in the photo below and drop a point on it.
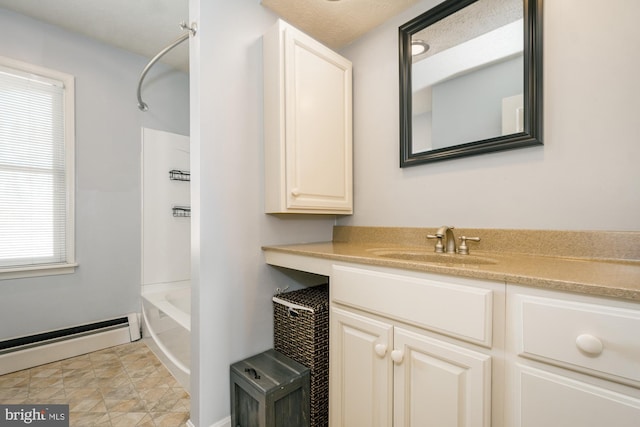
(36, 217)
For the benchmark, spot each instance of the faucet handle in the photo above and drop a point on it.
(463, 249)
(439, 248)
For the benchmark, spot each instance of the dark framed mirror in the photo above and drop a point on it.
(470, 79)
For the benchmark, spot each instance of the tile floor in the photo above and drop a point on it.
(123, 386)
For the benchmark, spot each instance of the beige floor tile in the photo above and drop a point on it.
(152, 395)
(50, 401)
(86, 419)
(45, 373)
(18, 374)
(76, 394)
(45, 395)
(146, 383)
(102, 371)
(14, 393)
(171, 419)
(14, 401)
(46, 382)
(13, 382)
(73, 364)
(116, 381)
(79, 381)
(120, 386)
(87, 405)
(44, 370)
(129, 348)
(127, 419)
(125, 405)
(147, 421)
(182, 405)
(139, 369)
(124, 392)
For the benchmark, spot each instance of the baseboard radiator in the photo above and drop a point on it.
(34, 350)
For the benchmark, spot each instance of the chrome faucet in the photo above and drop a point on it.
(447, 245)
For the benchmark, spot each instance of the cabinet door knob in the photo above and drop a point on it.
(397, 356)
(589, 344)
(295, 192)
(380, 349)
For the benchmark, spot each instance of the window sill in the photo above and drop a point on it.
(36, 271)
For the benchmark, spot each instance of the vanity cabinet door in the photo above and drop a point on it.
(438, 384)
(573, 360)
(547, 399)
(308, 125)
(360, 384)
(386, 375)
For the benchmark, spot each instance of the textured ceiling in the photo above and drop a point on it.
(472, 21)
(337, 23)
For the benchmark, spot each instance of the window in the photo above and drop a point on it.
(36, 171)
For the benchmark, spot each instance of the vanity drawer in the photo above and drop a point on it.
(440, 305)
(586, 336)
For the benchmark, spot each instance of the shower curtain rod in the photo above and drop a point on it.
(191, 31)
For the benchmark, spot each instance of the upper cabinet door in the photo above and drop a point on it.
(308, 125)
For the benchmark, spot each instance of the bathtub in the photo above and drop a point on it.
(166, 310)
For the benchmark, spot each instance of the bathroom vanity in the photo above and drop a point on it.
(512, 334)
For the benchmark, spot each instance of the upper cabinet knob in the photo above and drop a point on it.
(589, 344)
(295, 192)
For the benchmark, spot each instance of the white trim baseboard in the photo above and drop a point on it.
(225, 422)
(39, 355)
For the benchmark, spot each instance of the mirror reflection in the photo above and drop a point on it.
(468, 84)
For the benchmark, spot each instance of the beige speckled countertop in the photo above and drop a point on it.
(531, 258)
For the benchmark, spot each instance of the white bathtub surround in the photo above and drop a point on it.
(166, 240)
(166, 308)
(174, 299)
(166, 237)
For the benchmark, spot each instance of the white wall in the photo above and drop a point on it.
(107, 281)
(586, 176)
(232, 287)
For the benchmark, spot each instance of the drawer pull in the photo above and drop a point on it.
(397, 356)
(589, 344)
(380, 349)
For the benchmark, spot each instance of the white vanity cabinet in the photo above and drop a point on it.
(575, 360)
(307, 125)
(411, 349)
(361, 373)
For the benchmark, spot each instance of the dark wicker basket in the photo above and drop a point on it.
(303, 336)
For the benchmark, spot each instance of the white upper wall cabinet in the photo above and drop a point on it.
(307, 125)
